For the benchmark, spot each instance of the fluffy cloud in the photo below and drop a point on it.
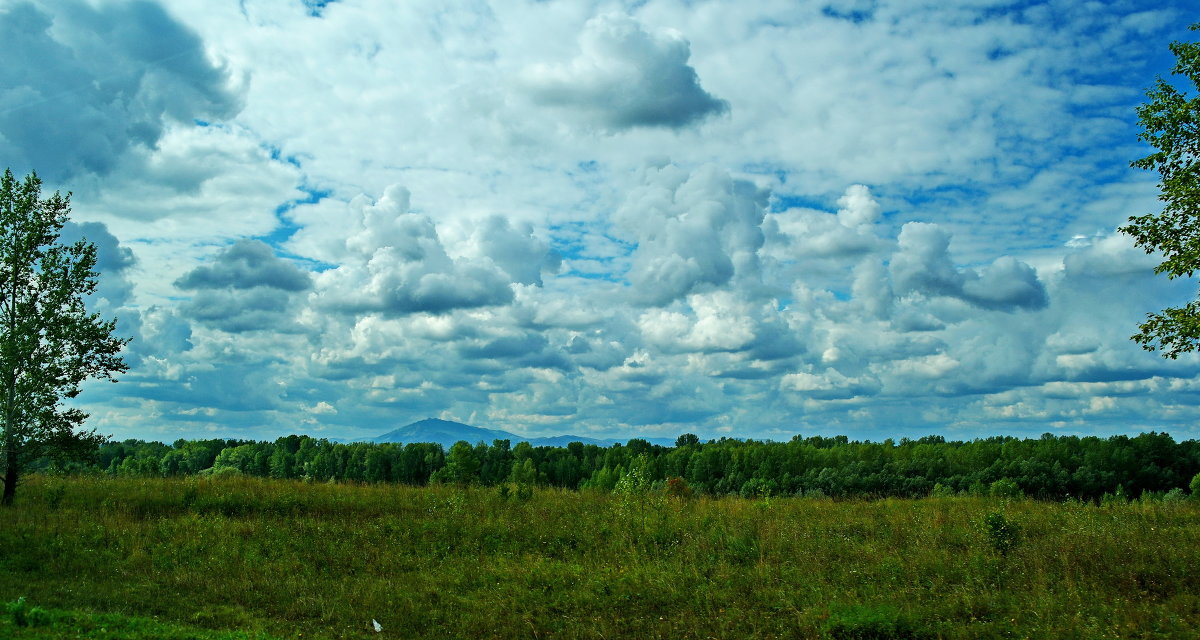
(554, 274)
(395, 263)
(245, 265)
(808, 233)
(513, 248)
(246, 288)
(113, 260)
(625, 77)
(83, 85)
(693, 231)
(922, 264)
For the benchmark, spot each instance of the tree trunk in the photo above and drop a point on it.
(10, 483)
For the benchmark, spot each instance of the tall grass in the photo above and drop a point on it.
(323, 560)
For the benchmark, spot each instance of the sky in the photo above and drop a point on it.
(875, 218)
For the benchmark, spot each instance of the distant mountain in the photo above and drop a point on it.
(444, 432)
(447, 432)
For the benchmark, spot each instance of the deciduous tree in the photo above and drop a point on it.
(1171, 123)
(49, 343)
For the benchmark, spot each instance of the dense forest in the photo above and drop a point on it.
(1050, 467)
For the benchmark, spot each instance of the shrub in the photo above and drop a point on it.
(54, 494)
(1005, 488)
(24, 615)
(677, 487)
(941, 491)
(1117, 497)
(1174, 495)
(1002, 533)
(758, 488)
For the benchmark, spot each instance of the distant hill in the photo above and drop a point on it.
(447, 432)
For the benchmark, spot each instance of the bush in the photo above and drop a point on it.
(1117, 497)
(1002, 533)
(24, 615)
(941, 491)
(677, 487)
(220, 472)
(1005, 488)
(758, 488)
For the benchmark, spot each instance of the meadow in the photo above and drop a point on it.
(228, 558)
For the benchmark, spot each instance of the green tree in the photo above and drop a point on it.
(280, 463)
(462, 464)
(1171, 123)
(524, 476)
(49, 343)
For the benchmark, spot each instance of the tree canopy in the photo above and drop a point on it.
(1171, 123)
(1050, 467)
(49, 343)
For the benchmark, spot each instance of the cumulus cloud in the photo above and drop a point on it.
(114, 289)
(808, 233)
(922, 264)
(246, 288)
(721, 321)
(395, 264)
(84, 84)
(244, 265)
(626, 77)
(829, 384)
(685, 299)
(693, 231)
(1004, 285)
(513, 248)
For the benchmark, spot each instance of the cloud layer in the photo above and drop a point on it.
(883, 219)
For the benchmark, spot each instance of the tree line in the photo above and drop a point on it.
(1050, 467)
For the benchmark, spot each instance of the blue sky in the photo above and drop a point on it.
(871, 218)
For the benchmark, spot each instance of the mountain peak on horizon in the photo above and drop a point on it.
(435, 421)
(448, 432)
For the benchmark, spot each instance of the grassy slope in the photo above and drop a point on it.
(322, 560)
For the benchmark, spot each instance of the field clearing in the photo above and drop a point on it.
(296, 560)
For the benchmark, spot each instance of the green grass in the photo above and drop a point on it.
(296, 560)
(24, 621)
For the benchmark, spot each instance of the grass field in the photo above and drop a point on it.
(219, 559)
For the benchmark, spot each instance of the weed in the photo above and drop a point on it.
(24, 615)
(55, 491)
(861, 622)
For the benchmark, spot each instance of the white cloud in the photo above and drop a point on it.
(806, 233)
(394, 263)
(553, 271)
(692, 230)
(625, 77)
(922, 264)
